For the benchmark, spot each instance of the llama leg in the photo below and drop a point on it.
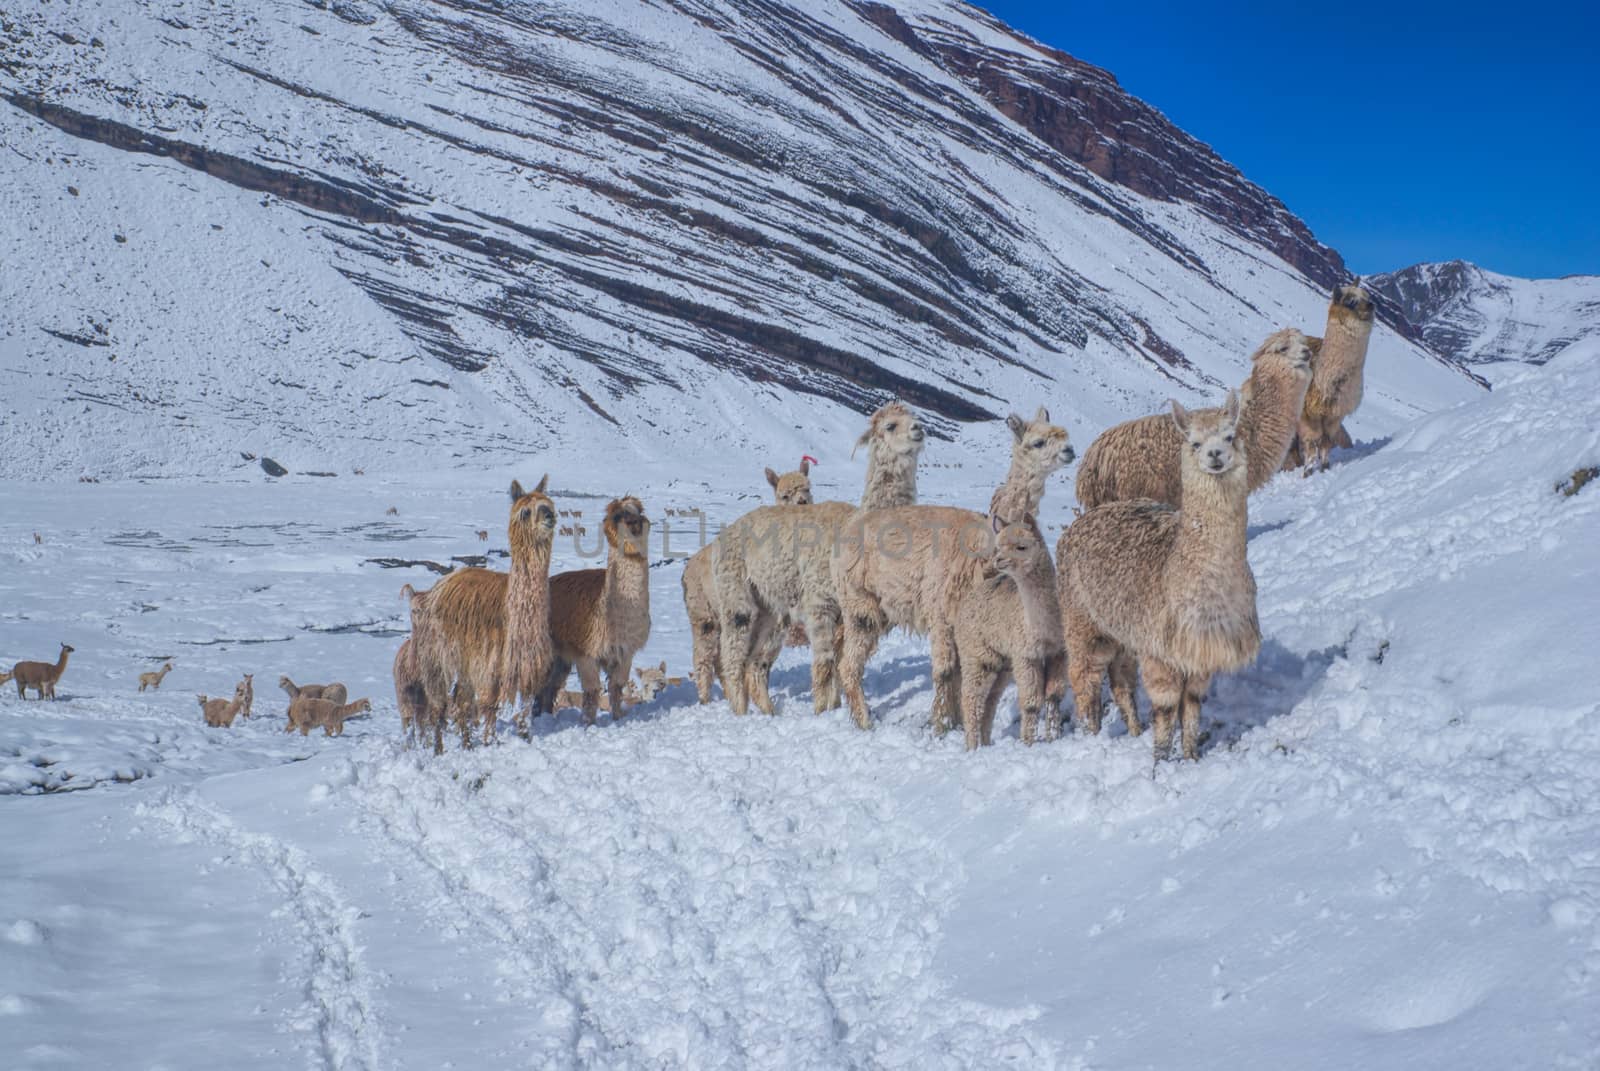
(737, 625)
(1055, 690)
(706, 642)
(1194, 691)
(1030, 697)
(616, 677)
(1124, 681)
(860, 640)
(1165, 685)
(946, 678)
(976, 684)
(1086, 667)
(990, 702)
(826, 634)
(589, 674)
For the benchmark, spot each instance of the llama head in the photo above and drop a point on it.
(533, 517)
(1017, 547)
(67, 648)
(1208, 436)
(1038, 445)
(285, 683)
(627, 528)
(1352, 300)
(651, 680)
(363, 705)
(792, 488)
(894, 431)
(1288, 349)
(203, 699)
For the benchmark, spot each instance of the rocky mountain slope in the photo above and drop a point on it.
(434, 231)
(1482, 319)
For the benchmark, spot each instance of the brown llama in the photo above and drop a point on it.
(307, 714)
(487, 639)
(336, 692)
(40, 676)
(219, 713)
(153, 679)
(600, 618)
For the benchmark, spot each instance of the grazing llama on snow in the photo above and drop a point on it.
(1139, 458)
(1169, 587)
(153, 679)
(40, 676)
(488, 633)
(600, 618)
(910, 566)
(771, 567)
(306, 714)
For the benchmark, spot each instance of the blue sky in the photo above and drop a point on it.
(1400, 132)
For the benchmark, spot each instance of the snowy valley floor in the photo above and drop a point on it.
(1389, 855)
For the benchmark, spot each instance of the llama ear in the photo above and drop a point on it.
(1233, 407)
(997, 523)
(1043, 415)
(516, 490)
(663, 666)
(1014, 422)
(805, 466)
(544, 483)
(866, 437)
(1180, 416)
(772, 477)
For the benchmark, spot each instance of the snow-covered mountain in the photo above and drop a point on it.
(356, 234)
(1490, 322)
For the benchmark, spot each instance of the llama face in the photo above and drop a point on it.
(1287, 345)
(533, 515)
(1208, 435)
(895, 430)
(651, 680)
(792, 488)
(1356, 299)
(1017, 546)
(626, 526)
(1041, 445)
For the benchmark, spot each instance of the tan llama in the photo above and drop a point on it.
(910, 566)
(772, 570)
(487, 639)
(153, 679)
(219, 713)
(249, 687)
(1336, 384)
(652, 679)
(1170, 587)
(307, 714)
(1007, 627)
(1139, 458)
(700, 591)
(40, 676)
(600, 618)
(336, 692)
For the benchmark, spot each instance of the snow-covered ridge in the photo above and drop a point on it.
(1489, 322)
(429, 232)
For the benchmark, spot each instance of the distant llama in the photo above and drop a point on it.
(1336, 384)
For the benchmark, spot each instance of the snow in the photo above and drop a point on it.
(1386, 856)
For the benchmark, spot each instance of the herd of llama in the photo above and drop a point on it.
(1150, 580)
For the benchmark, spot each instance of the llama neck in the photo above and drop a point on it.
(528, 593)
(1022, 492)
(1271, 418)
(1344, 348)
(891, 481)
(627, 586)
(61, 663)
(1213, 521)
(1041, 612)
